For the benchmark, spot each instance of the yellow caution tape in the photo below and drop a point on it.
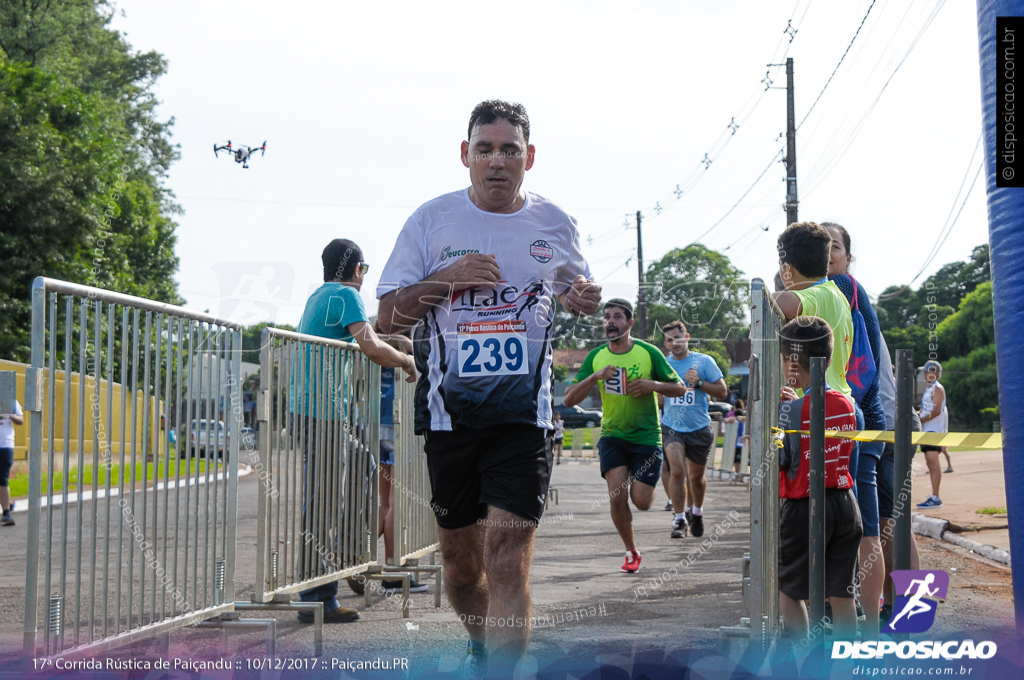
(970, 440)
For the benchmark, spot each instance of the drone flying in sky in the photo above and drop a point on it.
(243, 153)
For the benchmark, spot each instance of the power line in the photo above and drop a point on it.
(947, 228)
(740, 200)
(829, 163)
(839, 64)
(728, 132)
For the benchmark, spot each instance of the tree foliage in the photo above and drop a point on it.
(950, 318)
(938, 297)
(572, 332)
(695, 285)
(701, 288)
(966, 344)
(252, 339)
(83, 159)
(971, 327)
(972, 387)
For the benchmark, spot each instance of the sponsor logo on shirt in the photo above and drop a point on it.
(506, 301)
(541, 251)
(449, 253)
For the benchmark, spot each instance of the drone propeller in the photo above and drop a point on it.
(263, 148)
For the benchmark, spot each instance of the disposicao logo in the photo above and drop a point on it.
(914, 611)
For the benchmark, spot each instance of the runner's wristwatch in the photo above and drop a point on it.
(699, 384)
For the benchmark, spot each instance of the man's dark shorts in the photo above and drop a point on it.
(507, 466)
(643, 460)
(6, 463)
(696, 445)
(842, 540)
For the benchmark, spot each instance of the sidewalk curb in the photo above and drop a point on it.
(936, 528)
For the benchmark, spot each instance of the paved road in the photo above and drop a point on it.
(976, 483)
(667, 615)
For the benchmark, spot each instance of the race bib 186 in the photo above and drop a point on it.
(492, 348)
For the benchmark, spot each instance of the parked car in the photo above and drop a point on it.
(207, 435)
(719, 408)
(248, 438)
(574, 416)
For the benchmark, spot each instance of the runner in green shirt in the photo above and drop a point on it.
(628, 373)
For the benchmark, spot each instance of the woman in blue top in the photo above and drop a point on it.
(871, 573)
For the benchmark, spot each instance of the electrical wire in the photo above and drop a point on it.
(686, 186)
(740, 199)
(826, 165)
(818, 98)
(947, 228)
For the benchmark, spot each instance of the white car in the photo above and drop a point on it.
(248, 438)
(207, 435)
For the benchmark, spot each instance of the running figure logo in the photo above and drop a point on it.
(912, 612)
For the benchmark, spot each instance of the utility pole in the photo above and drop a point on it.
(791, 197)
(641, 302)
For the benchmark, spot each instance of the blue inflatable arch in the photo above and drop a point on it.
(1006, 239)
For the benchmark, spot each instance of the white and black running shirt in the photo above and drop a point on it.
(484, 356)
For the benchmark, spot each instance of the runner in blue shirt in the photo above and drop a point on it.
(686, 428)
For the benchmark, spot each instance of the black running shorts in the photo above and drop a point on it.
(842, 541)
(507, 466)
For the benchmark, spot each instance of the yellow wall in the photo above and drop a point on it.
(92, 412)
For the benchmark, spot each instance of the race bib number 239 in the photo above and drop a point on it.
(492, 348)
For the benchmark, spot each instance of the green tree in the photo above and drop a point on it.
(701, 288)
(252, 340)
(912, 337)
(948, 286)
(971, 327)
(560, 372)
(897, 307)
(911, 319)
(82, 161)
(972, 387)
(572, 332)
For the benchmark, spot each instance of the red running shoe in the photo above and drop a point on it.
(632, 564)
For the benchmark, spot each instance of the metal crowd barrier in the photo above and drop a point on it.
(415, 535)
(319, 413)
(766, 380)
(147, 544)
(578, 436)
(415, 525)
(761, 587)
(722, 467)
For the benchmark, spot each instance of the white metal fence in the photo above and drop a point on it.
(319, 412)
(763, 413)
(415, 523)
(133, 535)
(135, 413)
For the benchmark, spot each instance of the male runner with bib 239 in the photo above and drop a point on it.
(476, 272)
(686, 428)
(629, 372)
